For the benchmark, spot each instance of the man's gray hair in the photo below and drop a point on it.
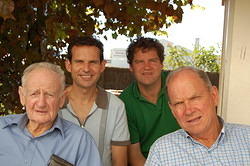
(44, 65)
(203, 75)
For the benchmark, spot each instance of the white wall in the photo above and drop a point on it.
(235, 75)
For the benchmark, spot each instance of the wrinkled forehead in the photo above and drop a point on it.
(185, 74)
(42, 77)
(184, 79)
(41, 72)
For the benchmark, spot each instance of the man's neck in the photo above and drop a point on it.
(85, 95)
(37, 129)
(82, 100)
(208, 139)
(150, 92)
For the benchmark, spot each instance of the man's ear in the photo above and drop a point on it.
(21, 95)
(62, 99)
(169, 104)
(130, 68)
(103, 64)
(68, 65)
(215, 95)
(171, 107)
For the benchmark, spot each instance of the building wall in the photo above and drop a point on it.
(235, 75)
(119, 58)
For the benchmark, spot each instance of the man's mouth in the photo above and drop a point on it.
(194, 120)
(41, 111)
(85, 76)
(147, 73)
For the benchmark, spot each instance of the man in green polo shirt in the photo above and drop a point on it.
(146, 102)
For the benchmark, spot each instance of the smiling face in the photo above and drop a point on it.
(193, 104)
(85, 66)
(42, 96)
(146, 67)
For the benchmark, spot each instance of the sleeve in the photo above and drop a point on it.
(153, 159)
(133, 130)
(121, 134)
(134, 133)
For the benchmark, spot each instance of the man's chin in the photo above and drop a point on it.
(147, 83)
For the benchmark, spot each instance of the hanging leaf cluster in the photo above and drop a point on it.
(38, 30)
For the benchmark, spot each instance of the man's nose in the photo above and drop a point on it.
(41, 100)
(147, 65)
(188, 108)
(86, 67)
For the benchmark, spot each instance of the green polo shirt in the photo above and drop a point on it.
(148, 121)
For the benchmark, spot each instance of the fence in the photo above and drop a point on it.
(120, 78)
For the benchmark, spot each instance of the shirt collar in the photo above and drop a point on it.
(223, 130)
(22, 120)
(58, 125)
(102, 98)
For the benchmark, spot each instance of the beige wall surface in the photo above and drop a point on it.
(235, 74)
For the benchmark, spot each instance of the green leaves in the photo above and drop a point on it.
(206, 59)
(32, 31)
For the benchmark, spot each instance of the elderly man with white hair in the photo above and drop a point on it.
(32, 138)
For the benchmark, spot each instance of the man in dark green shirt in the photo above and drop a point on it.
(149, 116)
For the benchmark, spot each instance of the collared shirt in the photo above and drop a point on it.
(106, 122)
(232, 148)
(66, 140)
(148, 121)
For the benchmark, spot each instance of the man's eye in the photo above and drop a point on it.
(195, 98)
(178, 103)
(154, 60)
(34, 94)
(49, 94)
(94, 62)
(78, 61)
(137, 62)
